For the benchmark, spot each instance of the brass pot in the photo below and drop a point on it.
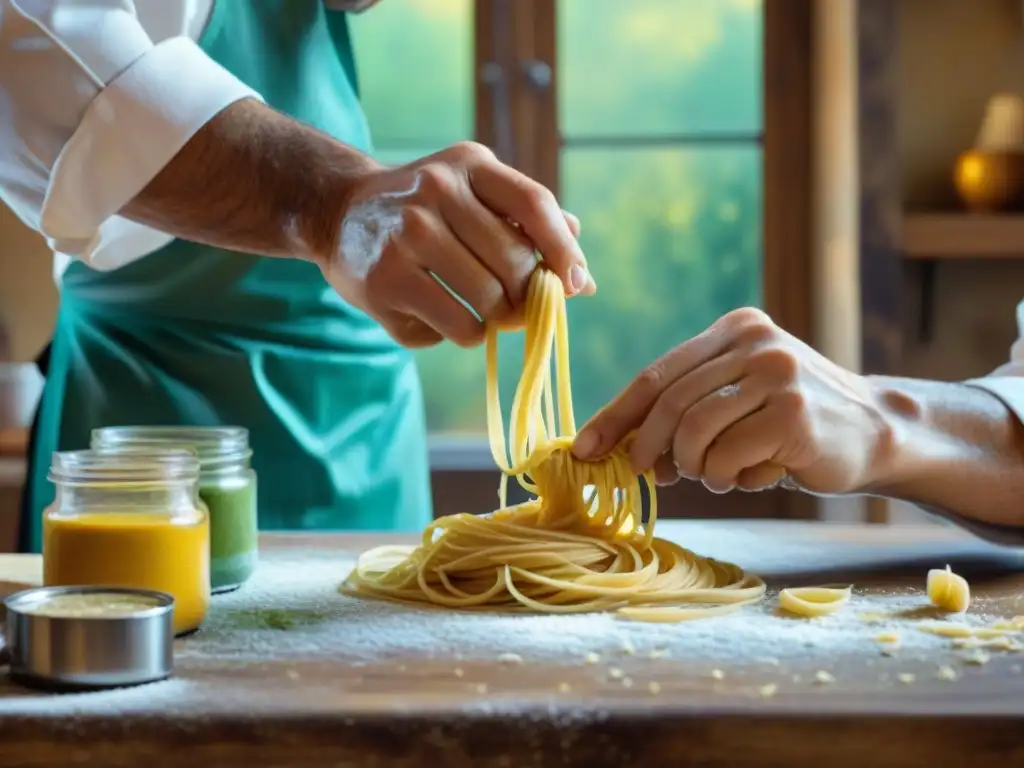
(990, 182)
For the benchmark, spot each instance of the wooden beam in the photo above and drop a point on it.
(836, 226)
(787, 281)
(787, 288)
(881, 214)
(486, 70)
(881, 208)
(836, 203)
(547, 138)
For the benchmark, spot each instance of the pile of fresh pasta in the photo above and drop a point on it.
(582, 544)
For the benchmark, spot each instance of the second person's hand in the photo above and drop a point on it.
(459, 219)
(744, 405)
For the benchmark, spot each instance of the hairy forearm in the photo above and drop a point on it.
(256, 181)
(951, 446)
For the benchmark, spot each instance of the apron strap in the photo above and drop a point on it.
(44, 437)
(24, 512)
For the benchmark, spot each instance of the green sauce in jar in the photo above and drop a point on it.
(231, 503)
(227, 487)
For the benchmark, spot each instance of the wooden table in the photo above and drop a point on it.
(287, 672)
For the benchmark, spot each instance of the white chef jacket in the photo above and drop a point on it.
(1007, 381)
(97, 96)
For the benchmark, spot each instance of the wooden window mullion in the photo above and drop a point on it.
(485, 66)
(545, 133)
(788, 207)
(515, 43)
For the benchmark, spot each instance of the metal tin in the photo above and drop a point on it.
(78, 652)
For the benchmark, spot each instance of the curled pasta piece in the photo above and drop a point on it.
(948, 591)
(811, 602)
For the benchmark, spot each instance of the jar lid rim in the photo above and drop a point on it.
(219, 443)
(152, 465)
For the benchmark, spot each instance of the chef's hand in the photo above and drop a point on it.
(460, 217)
(743, 405)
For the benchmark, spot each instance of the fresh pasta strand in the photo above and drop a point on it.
(812, 602)
(582, 544)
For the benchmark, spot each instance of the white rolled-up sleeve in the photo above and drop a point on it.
(90, 111)
(1007, 381)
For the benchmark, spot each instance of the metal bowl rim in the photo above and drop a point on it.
(30, 596)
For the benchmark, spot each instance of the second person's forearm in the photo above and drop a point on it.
(952, 446)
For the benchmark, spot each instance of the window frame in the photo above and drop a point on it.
(506, 44)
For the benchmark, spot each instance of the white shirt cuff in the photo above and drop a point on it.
(1002, 535)
(130, 132)
(1009, 389)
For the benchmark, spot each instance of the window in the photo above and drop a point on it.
(645, 117)
(415, 64)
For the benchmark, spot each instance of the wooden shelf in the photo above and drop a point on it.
(963, 235)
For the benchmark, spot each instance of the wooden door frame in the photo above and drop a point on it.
(535, 149)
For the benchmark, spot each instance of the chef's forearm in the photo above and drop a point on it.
(951, 446)
(254, 180)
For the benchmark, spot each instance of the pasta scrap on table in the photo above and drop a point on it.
(978, 658)
(946, 672)
(767, 691)
(961, 630)
(812, 602)
(948, 590)
(1002, 643)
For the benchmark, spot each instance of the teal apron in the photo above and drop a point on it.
(197, 335)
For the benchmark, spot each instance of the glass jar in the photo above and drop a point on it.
(227, 486)
(130, 520)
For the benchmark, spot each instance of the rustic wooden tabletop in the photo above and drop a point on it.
(288, 672)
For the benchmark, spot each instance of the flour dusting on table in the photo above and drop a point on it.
(292, 609)
(271, 634)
